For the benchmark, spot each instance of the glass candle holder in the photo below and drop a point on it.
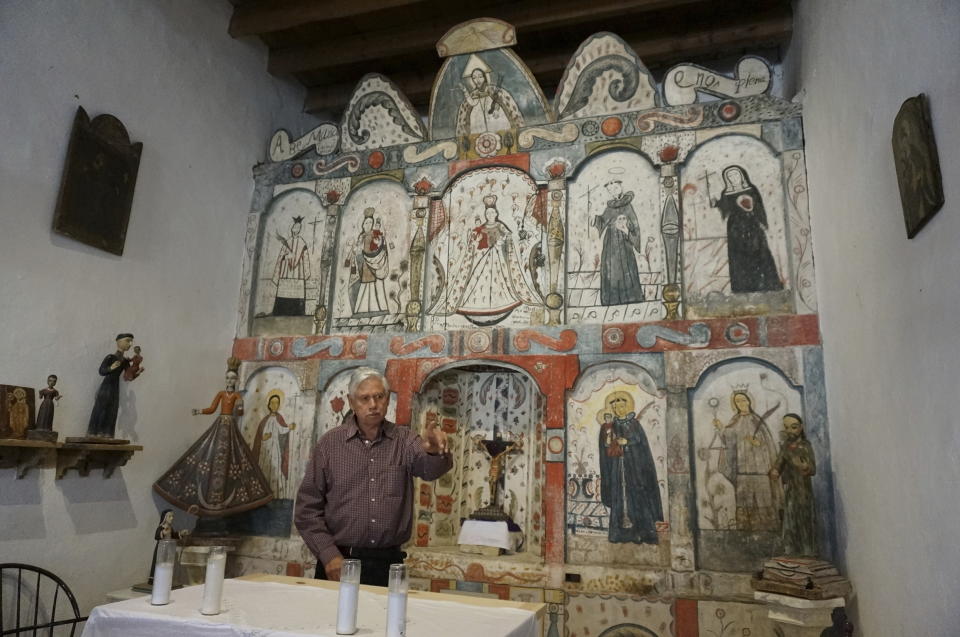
(349, 594)
(398, 586)
(163, 572)
(213, 584)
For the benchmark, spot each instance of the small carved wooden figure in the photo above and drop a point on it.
(103, 418)
(135, 368)
(44, 427)
(795, 466)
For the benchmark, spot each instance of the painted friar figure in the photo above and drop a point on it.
(628, 475)
(485, 108)
(619, 275)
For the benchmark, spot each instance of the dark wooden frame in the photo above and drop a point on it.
(917, 163)
(96, 193)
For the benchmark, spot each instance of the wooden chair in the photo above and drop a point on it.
(30, 598)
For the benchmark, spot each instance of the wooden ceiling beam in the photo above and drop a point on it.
(269, 16)
(767, 30)
(403, 39)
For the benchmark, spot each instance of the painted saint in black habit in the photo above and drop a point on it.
(619, 276)
(752, 268)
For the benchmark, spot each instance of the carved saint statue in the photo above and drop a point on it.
(795, 466)
(218, 474)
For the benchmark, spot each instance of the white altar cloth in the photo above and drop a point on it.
(270, 609)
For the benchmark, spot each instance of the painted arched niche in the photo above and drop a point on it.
(757, 231)
(486, 239)
(372, 270)
(736, 414)
(277, 424)
(288, 263)
(615, 254)
(616, 467)
(472, 404)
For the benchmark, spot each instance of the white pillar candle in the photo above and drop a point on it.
(349, 594)
(396, 614)
(398, 583)
(213, 584)
(162, 583)
(347, 608)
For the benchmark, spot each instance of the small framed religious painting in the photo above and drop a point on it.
(918, 166)
(96, 193)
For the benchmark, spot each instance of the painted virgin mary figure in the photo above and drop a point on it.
(271, 446)
(628, 476)
(370, 269)
(749, 452)
(485, 108)
(619, 276)
(489, 284)
(218, 474)
(752, 268)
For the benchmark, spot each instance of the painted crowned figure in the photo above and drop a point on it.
(291, 273)
(489, 284)
(485, 108)
(370, 269)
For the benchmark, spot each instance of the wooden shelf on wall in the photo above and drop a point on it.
(23, 455)
(86, 456)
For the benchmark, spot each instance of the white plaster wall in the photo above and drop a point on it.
(890, 307)
(203, 106)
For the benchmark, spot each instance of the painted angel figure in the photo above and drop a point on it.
(485, 108)
(489, 283)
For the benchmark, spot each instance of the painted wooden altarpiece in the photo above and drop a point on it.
(619, 280)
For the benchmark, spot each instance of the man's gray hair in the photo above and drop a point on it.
(361, 374)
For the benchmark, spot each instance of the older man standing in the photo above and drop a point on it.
(356, 499)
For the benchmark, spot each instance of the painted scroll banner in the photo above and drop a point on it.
(683, 82)
(324, 139)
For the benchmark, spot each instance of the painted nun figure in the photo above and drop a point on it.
(619, 276)
(752, 268)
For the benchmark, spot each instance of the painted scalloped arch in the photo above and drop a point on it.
(379, 114)
(603, 77)
(485, 92)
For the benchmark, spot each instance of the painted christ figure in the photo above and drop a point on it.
(751, 264)
(291, 273)
(619, 275)
(485, 108)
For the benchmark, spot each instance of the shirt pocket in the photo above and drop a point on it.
(394, 481)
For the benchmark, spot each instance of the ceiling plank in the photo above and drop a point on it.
(403, 39)
(268, 16)
(767, 30)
